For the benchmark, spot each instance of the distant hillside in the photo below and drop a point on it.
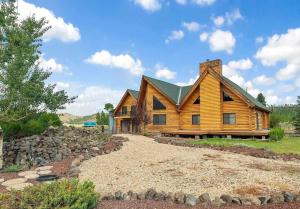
(73, 119)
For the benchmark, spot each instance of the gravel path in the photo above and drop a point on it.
(142, 164)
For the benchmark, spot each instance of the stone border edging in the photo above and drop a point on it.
(205, 199)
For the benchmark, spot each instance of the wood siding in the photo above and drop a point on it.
(210, 110)
(172, 116)
(240, 108)
(189, 109)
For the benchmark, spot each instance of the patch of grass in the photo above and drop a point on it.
(286, 145)
(13, 169)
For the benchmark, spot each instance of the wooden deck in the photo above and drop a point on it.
(260, 133)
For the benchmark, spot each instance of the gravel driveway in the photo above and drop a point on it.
(142, 164)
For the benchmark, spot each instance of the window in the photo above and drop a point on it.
(124, 110)
(157, 105)
(159, 119)
(132, 109)
(197, 101)
(226, 97)
(229, 118)
(195, 119)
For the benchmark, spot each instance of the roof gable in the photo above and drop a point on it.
(128, 92)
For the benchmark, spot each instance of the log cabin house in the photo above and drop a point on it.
(213, 105)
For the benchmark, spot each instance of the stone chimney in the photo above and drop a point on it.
(215, 65)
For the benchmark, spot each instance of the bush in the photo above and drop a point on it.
(274, 120)
(13, 168)
(276, 134)
(35, 125)
(60, 194)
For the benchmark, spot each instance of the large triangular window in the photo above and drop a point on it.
(157, 105)
(226, 97)
(197, 101)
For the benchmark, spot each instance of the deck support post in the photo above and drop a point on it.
(197, 137)
(204, 137)
(177, 136)
(228, 136)
(263, 138)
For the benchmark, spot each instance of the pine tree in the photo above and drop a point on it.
(297, 118)
(261, 98)
(98, 118)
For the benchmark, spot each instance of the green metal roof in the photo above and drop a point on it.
(245, 93)
(177, 93)
(134, 93)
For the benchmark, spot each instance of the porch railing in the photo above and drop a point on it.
(128, 113)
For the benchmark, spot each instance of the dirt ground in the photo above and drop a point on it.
(150, 204)
(142, 164)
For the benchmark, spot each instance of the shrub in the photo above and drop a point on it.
(13, 168)
(276, 134)
(60, 194)
(274, 120)
(33, 127)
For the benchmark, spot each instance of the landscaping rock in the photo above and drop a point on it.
(108, 197)
(226, 198)
(119, 195)
(31, 176)
(76, 162)
(150, 194)
(277, 198)
(246, 201)
(43, 168)
(264, 199)
(218, 202)
(19, 186)
(179, 197)
(297, 198)
(126, 197)
(204, 198)
(236, 200)
(191, 200)
(288, 197)
(44, 172)
(74, 171)
(1, 180)
(10, 182)
(26, 173)
(141, 196)
(159, 196)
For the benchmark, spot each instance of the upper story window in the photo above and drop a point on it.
(132, 108)
(159, 119)
(226, 97)
(196, 119)
(124, 110)
(197, 101)
(157, 105)
(229, 118)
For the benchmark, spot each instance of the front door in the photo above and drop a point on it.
(125, 126)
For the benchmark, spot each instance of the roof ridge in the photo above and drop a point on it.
(167, 82)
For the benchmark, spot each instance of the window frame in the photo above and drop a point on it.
(198, 121)
(229, 119)
(194, 103)
(124, 112)
(153, 106)
(159, 119)
(226, 95)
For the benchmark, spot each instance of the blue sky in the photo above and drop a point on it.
(98, 49)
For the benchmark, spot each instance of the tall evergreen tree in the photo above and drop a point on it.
(297, 118)
(23, 92)
(98, 118)
(261, 98)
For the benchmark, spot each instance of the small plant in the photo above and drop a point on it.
(276, 134)
(13, 169)
(60, 194)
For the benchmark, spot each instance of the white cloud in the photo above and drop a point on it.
(286, 88)
(65, 32)
(164, 72)
(93, 99)
(282, 48)
(264, 80)
(259, 39)
(123, 61)
(203, 36)
(149, 5)
(218, 21)
(61, 86)
(192, 26)
(191, 81)
(203, 2)
(175, 35)
(221, 40)
(182, 2)
(297, 82)
(51, 65)
(233, 66)
(233, 16)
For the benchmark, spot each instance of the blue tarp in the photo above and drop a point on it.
(89, 124)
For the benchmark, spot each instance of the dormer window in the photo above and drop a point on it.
(197, 101)
(157, 105)
(226, 97)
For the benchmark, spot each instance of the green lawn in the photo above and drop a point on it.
(286, 145)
